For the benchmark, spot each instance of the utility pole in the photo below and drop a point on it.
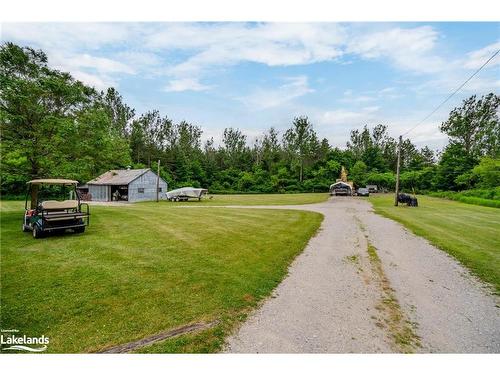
(397, 170)
(158, 182)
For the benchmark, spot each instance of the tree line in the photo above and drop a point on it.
(53, 125)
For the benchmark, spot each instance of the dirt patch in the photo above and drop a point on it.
(134, 345)
(389, 315)
(392, 318)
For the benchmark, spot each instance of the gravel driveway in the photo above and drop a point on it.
(365, 284)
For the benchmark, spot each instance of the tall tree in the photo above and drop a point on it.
(119, 112)
(475, 126)
(156, 134)
(234, 147)
(271, 149)
(37, 105)
(300, 140)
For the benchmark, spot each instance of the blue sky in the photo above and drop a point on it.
(256, 75)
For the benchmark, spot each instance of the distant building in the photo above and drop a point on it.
(132, 185)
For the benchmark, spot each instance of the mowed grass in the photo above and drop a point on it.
(469, 233)
(142, 269)
(257, 199)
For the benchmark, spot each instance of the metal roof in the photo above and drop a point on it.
(341, 183)
(52, 181)
(118, 177)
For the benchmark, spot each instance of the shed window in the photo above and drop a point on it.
(140, 190)
(159, 190)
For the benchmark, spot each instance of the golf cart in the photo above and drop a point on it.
(51, 211)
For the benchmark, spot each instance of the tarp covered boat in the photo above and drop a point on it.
(185, 193)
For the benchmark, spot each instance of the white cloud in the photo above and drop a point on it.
(219, 45)
(99, 64)
(449, 81)
(207, 47)
(365, 97)
(476, 59)
(222, 44)
(346, 118)
(99, 72)
(265, 98)
(68, 36)
(350, 97)
(185, 84)
(100, 82)
(270, 43)
(408, 48)
(62, 42)
(139, 60)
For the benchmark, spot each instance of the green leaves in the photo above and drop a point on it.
(475, 126)
(55, 125)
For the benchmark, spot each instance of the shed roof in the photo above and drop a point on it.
(118, 177)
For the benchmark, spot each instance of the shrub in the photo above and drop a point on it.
(481, 197)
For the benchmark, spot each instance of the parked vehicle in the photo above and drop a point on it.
(186, 193)
(363, 192)
(372, 188)
(47, 214)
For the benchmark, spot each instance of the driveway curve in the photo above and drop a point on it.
(364, 284)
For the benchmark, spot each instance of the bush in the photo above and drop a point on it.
(479, 201)
(382, 180)
(481, 197)
(487, 172)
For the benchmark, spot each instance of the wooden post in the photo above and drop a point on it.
(397, 171)
(158, 182)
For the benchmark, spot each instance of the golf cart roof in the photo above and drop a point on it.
(53, 181)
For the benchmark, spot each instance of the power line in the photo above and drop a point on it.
(396, 195)
(453, 93)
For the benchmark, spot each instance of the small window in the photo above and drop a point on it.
(159, 190)
(140, 190)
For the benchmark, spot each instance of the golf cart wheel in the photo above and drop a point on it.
(79, 229)
(26, 228)
(37, 233)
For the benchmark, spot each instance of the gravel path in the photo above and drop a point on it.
(403, 296)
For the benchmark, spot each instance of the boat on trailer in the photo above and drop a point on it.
(186, 193)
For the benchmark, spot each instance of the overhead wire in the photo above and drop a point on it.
(452, 94)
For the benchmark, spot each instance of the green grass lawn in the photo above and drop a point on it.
(469, 233)
(145, 268)
(257, 199)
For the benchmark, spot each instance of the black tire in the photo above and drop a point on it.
(26, 228)
(79, 229)
(37, 232)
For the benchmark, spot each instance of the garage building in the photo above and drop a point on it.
(132, 185)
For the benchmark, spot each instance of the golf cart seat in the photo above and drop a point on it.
(59, 205)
